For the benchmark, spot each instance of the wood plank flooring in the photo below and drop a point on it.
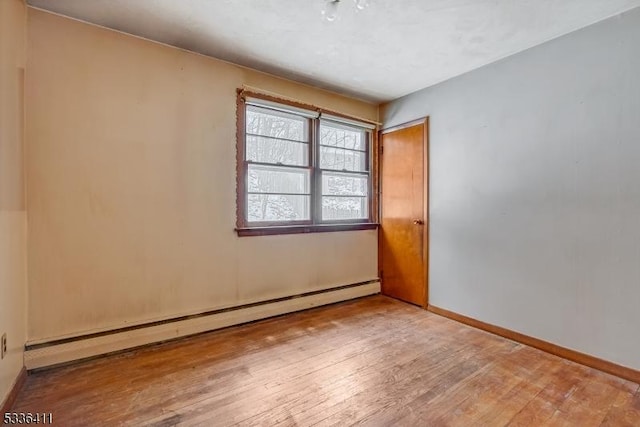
(373, 361)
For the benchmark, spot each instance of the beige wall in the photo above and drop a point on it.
(12, 204)
(131, 186)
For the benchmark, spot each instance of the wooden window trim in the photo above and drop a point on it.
(315, 224)
(302, 229)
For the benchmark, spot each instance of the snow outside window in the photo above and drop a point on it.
(300, 168)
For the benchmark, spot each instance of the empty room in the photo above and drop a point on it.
(320, 212)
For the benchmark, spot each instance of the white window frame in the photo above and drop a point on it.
(315, 118)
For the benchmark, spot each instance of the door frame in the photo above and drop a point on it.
(426, 168)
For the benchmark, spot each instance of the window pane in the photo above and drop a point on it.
(341, 136)
(278, 179)
(267, 150)
(340, 208)
(262, 121)
(339, 159)
(342, 184)
(278, 207)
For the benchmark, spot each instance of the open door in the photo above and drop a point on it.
(403, 215)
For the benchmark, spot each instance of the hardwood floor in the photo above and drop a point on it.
(374, 361)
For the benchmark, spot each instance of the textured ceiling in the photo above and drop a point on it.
(390, 49)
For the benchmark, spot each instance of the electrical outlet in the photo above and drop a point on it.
(3, 345)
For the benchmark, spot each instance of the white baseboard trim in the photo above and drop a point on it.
(46, 355)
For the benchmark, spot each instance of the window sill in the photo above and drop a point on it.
(300, 229)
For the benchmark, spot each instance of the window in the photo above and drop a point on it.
(302, 170)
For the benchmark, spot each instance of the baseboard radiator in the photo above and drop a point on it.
(58, 352)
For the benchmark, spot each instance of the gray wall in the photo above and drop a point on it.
(535, 190)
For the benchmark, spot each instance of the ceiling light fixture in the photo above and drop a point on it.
(330, 10)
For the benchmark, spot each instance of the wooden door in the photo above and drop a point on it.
(403, 219)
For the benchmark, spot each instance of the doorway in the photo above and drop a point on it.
(404, 227)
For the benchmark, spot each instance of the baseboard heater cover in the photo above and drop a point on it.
(56, 353)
